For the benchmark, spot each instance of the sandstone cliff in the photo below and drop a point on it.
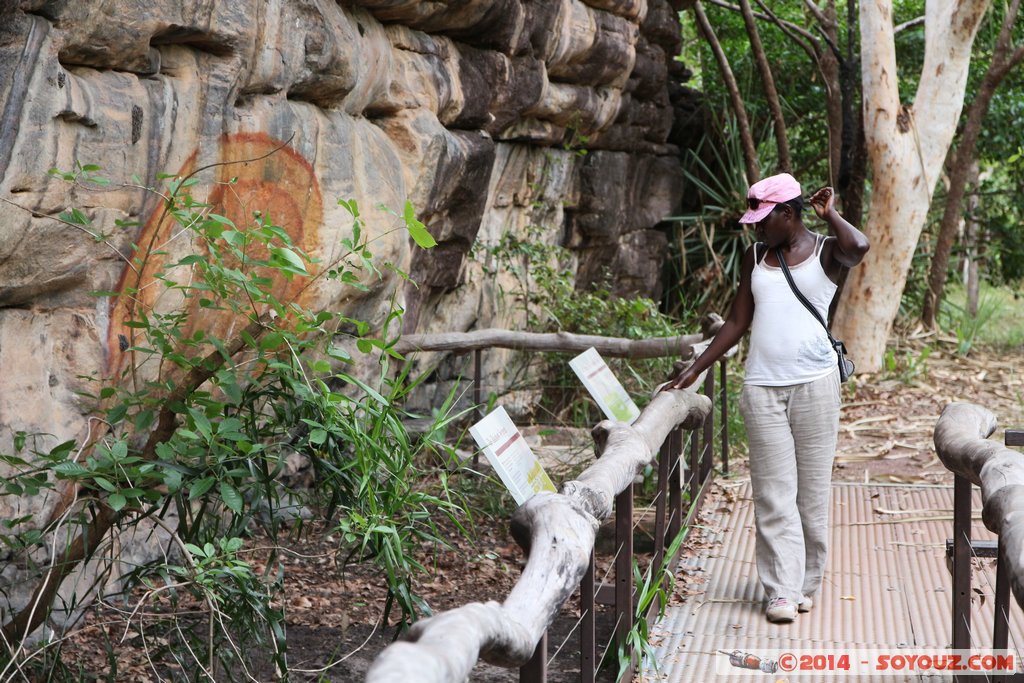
(466, 109)
(478, 112)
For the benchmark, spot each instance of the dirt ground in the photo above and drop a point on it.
(334, 628)
(886, 424)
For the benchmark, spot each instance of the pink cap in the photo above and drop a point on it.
(770, 191)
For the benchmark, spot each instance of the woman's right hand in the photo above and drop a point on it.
(682, 380)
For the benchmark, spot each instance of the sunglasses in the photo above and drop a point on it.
(754, 203)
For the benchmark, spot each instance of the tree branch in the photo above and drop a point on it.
(739, 109)
(38, 609)
(768, 83)
(767, 16)
(908, 24)
(816, 11)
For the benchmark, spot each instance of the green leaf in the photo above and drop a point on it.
(172, 480)
(200, 487)
(339, 353)
(417, 230)
(116, 501)
(350, 205)
(230, 387)
(144, 420)
(104, 484)
(195, 550)
(75, 216)
(289, 260)
(117, 413)
(271, 341)
(231, 497)
(216, 218)
(70, 469)
(202, 423)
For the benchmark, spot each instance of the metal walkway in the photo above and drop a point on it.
(886, 586)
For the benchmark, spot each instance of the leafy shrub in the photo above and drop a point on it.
(193, 432)
(550, 302)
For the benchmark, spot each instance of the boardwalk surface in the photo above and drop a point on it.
(887, 586)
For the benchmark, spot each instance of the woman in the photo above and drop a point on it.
(790, 399)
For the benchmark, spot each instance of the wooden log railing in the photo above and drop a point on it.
(558, 530)
(562, 342)
(961, 441)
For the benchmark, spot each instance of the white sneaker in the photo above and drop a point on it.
(805, 605)
(781, 610)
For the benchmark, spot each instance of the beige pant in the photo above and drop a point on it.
(792, 434)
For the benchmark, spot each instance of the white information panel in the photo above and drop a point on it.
(602, 384)
(510, 456)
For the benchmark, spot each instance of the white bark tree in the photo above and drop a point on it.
(907, 144)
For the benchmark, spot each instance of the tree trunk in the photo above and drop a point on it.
(965, 157)
(768, 83)
(852, 173)
(738, 108)
(906, 146)
(971, 247)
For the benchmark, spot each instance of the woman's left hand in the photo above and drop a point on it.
(823, 201)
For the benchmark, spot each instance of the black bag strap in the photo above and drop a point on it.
(800, 296)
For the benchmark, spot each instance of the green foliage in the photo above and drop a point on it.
(1001, 215)
(908, 366)
(999, 321)
(706, 253)
(801, 90)
(201, 426)
(547, 295)
(653, 587)
(800, 87)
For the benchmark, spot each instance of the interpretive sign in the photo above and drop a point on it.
(604, 387)
(510, 456)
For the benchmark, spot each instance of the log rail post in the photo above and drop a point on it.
(557, 531)
(961, 441)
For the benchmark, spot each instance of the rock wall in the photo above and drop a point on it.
(477, 112)
(474, 111)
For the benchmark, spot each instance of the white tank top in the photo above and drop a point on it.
(787, 344)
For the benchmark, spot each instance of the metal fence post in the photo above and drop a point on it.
(624, 568)
(1001, 625)
(675, 485)
(536, 670)
(707, 460)
(588, 631)
(661, 501)
(961, 607)
(693, 475)
(724, 399)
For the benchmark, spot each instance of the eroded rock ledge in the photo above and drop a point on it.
(546, 119)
